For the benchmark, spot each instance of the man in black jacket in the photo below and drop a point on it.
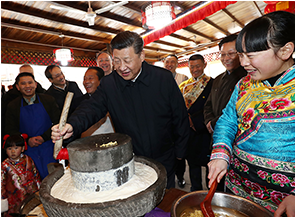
(144, 102)
(223, 85)
(60, 86)
(91, 81)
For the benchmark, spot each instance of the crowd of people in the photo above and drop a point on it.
(240, 125)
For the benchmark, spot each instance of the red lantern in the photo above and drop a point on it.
(157, 14)
(64, 55)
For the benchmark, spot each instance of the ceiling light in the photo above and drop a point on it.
(64, 55)
(157, 14)
(90, 16)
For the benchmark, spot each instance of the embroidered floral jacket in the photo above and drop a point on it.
(19, 179)
(259, 120)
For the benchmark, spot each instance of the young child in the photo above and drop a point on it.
(19, 176)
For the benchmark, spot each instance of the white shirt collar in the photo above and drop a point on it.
(137, 75)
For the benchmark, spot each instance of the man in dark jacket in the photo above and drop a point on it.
(91, 81)
(60, 86)
(34, 115)
(223, 85)
(144, 102)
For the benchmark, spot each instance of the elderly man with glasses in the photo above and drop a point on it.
(223, 84)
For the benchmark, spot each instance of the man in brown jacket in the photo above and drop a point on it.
(223, 85)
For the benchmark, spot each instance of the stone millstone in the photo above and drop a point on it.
(95, 167)
(136, 205)
(86, 155)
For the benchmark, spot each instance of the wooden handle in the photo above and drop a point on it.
(206, 203)
(62, 122)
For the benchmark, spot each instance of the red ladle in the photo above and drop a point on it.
(206, 204)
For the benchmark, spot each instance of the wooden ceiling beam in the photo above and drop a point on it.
(158, 49)
(256, 6)
(181, 37)
(25, 10)
(199, 47)
(41, 29)
(191, 30)
(133, 8)
(168, 44)
(108, 15)
(17, 8)
(113, 16)
(216, 26)
(46, 45)
(233, 17)
(53, 46)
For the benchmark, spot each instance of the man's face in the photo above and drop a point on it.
(27, 86)
(171, 63)
(229, 57)
(104, 61)
(26, 69)
(91, 81)
(58, 77)
(196, 67)
(127, 63)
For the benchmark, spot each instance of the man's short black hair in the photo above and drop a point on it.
(172, 55)
(227, 39)
(127, 39)
(48, 70)
(197, 57)
(23, 75)
(99, 71)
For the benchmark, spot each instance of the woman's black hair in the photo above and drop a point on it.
(14, 140)
(272, 30)
(127, 39)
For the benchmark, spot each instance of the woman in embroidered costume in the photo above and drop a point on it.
(255, 135)
(19, 176)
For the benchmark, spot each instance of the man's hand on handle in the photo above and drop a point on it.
(57, 134)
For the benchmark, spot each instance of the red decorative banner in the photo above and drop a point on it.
(189, 18)
(279, 6)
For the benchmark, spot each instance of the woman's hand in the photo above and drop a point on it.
(57, 134)
(217, 169)
(288, 206)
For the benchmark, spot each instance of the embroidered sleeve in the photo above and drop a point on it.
(221, 151)
(3, 181)
(226, 129)
(37, 178)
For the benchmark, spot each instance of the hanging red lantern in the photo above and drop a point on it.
(63, 55)
(157, 14)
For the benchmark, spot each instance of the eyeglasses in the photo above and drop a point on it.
(230, 55)
(58, 75)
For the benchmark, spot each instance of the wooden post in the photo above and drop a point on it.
(62, 122)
